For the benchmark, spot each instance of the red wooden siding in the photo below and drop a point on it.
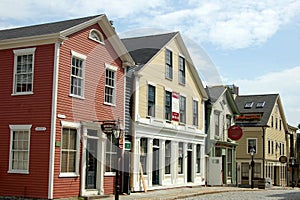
(32, 109)
(90, 108)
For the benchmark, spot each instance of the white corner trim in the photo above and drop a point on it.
(78, 55)
(111, 67)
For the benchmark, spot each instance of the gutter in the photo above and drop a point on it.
(53, 121)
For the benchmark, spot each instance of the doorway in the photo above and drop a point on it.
(189, 166)
(91, 163)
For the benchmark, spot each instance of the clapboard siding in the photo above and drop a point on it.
(91, 107)
(32, 109)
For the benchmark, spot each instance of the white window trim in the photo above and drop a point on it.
(255, 145)
(77, 126)
(151, 83)
(18, 128)
(114, 69)
(20, 52)
(100, 35)
(82, 57)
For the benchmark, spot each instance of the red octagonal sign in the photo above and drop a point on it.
(235, 132)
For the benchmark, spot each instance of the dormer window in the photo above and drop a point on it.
(96, 36)
(260, 104)
(248, 105)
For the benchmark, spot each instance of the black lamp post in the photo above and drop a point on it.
(252, 152)
(293, 164)
(116, 132)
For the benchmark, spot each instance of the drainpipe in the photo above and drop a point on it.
(263, 150)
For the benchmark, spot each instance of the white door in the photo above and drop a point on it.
(214, 171)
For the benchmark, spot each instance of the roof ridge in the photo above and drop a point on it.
(49, 23)
(154, 35)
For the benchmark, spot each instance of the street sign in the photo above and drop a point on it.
(283, 159)
(235, 132)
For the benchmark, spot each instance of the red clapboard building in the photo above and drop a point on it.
(58, 80)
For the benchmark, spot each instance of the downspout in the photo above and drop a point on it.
(53, 121)
(263, 150)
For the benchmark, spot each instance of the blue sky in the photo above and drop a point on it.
(254, 44)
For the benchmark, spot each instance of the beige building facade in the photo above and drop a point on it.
(168, 134)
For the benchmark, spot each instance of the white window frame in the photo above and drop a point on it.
(195, 123)
(77, 126)
(110, 140)
(100, 38)
(18, 128)
(169, 66)
(182, 72)
(113, 69)
(248, 145)
(22, 52)
(81, 57)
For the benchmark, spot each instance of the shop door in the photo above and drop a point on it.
(189, 166)
(155, 166)
(91, 163)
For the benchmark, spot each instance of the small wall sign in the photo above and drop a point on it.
(283, 159)
(40, 129)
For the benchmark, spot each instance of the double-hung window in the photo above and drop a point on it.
(168, 157)
(143, 154)
(181, 70)
(252, 143)
(69, 152)
(180, 158)
(19, 148)
(217, 123)
(77, 74)
(169, 64)
(151, 101)
(168, 105)
(110, 85)
(23, 71)
(195, 112)
(182, 106)
(111, 153)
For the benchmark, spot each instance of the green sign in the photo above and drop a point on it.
(127, 145)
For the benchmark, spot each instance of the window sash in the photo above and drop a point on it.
(77, 76)
(198, 161)
(168, 105)
(181, 70)
(19, 160)
(24, 73)
(111, 154)
(151, 101)
(168, 157)
(69, 150)
(180, 158)
(169, 64)
(195, 113)
(182, 109)
(110, 89)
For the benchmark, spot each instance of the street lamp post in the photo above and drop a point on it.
(116, 132)
(252, 151)
(293, 163)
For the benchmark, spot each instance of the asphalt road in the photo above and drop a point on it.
(252, 195)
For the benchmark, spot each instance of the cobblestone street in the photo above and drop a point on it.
(256, 194)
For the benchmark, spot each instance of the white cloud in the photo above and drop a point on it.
(286, 83)
(228, 24)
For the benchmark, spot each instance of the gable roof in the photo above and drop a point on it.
(270, 101)
(142, 49)
(215, 92)
(42, 29)
(49, 33)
